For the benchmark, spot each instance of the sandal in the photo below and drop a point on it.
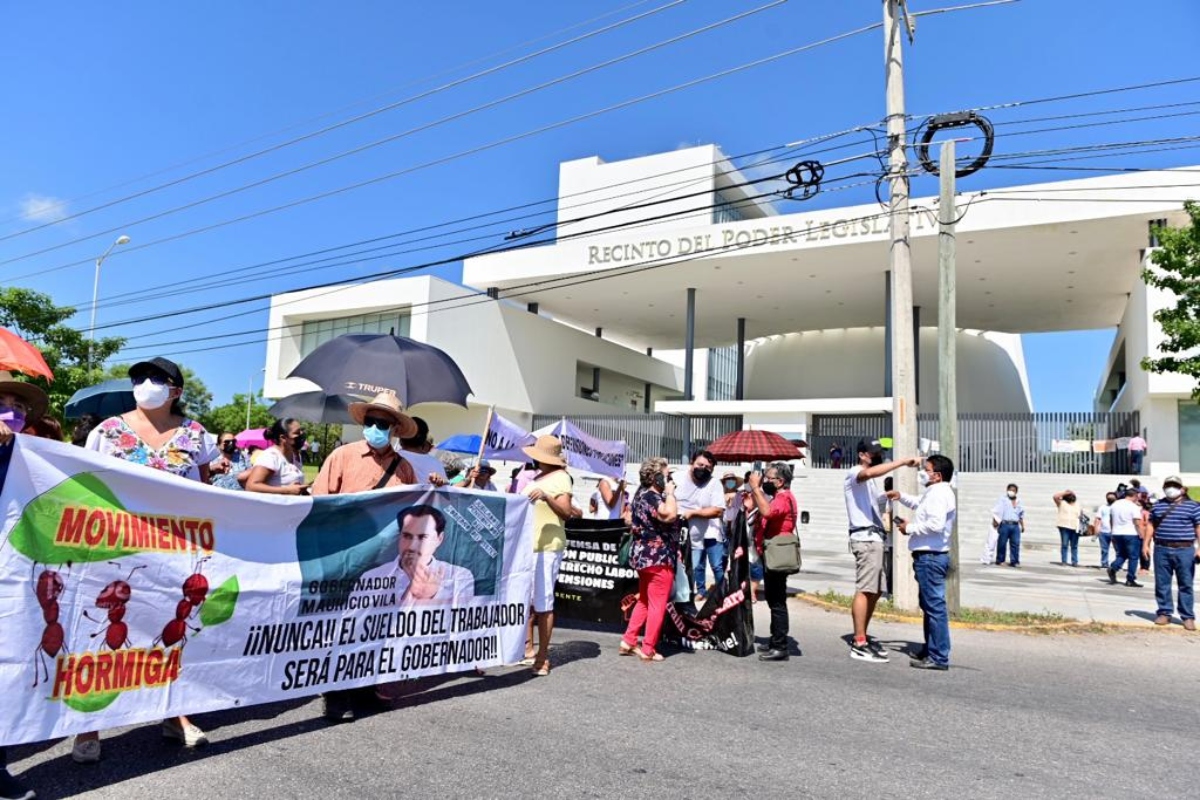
(644, 657)
(626, 649)
(542, 671)
(526, 662)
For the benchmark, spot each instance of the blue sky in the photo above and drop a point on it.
(115, 98)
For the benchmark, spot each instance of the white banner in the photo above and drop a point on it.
(505, 440)
(590, 454)
(130, 595)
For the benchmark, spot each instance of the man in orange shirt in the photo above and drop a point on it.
(362, 467)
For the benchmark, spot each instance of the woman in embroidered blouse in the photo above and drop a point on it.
(278, 469)
(158, 435)
(653, 554)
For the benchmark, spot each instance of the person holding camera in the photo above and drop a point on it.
(777, 516)
(1067, 520)
(929, 533)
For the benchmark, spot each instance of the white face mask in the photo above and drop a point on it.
(923, 478)
(150, 395)
(1172, 492)
(1012, 495)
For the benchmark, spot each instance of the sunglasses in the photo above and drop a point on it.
(383, 423)
(157, 380)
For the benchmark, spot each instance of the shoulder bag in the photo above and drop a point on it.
(781, 553)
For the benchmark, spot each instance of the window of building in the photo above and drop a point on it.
(317, 332)
(722, 373)
(726, 210)
(1189, 436)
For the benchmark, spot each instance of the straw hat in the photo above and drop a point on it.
(386, 404)
(32, 396)
(546, 450)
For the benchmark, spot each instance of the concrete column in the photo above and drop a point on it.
(740, 386)
(689, 346)
(887, 333)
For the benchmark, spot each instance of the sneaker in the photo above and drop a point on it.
(184, 732)
(1162, 619)
(925, 663)
(13, 789)
(864, 652)
(85, 751)
(876, 647)
(1112, 575)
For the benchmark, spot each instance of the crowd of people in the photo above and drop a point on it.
(675, 521)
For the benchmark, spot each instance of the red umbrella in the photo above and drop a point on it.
(18, 355)
(741, 446)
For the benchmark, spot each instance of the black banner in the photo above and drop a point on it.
(592, 586)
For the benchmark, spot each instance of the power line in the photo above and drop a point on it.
(460, 154)
(336, 286)
(314, 134)
(520, 290)
(173, 288)
(347, 107)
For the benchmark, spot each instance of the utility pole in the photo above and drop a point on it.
(904, 394)
(947, 344)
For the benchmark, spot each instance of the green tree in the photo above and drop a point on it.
(1177, 270)
(196, 397)
(34, 317)
(231, 417)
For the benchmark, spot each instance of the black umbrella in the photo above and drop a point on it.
(315, 407)
(370, 363)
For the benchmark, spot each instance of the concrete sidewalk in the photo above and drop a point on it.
(1038, 585)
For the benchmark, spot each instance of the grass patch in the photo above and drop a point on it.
(310, 472)
(969, 615)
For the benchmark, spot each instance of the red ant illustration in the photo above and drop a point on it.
(114, 597)
(47, 589)
(195, 590)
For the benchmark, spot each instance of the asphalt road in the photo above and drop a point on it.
(1113, 715)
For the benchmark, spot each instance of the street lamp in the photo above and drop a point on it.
(122, 239)
(250, 394)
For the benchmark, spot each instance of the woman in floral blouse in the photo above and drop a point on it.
(654, 552)
(157, 435)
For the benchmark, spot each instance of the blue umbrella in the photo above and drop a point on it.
(105, 400)
(371, 363)
(462, 443)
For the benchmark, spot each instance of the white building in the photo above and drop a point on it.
(670, 289)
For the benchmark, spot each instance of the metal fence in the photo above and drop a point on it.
(646, 435)
(998, 442)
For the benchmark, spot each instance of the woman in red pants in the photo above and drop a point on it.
(653, 554)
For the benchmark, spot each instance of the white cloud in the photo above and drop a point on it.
(41, 208)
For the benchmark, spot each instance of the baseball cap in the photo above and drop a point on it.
(872, 446)
(1173, 480)
(158, 364)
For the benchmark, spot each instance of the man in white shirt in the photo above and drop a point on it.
(423, 578)
(1102, 527)
(1127, 531)
(701, 502)
(865, 502)
(929, 533)
(415, 450)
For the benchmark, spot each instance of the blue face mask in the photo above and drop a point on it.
(377, 438)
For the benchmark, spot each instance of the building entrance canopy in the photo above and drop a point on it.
(1044, 257)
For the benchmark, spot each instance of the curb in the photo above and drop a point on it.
(1058, 627)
